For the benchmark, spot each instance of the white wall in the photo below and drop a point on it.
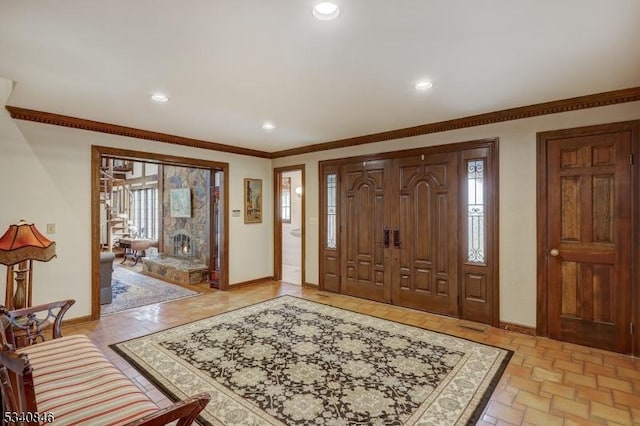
(45, 177)
(517, 157)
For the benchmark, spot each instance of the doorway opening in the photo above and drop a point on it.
(289, 236)
(159, 228)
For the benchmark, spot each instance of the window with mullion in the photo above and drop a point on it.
(145, 212)
(476, 220)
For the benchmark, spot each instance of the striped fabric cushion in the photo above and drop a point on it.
(75, 382)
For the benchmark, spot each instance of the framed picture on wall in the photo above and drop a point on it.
(180, 202)
(252, 200)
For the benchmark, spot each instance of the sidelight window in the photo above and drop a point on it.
(331, 210)
(476, 220)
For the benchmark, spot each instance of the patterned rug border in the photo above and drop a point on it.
(473, 419)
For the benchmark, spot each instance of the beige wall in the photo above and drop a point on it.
(517, 156)
(45, 177)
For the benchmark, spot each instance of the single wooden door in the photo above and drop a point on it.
(425, 233)
(365, 230)
(589, 239)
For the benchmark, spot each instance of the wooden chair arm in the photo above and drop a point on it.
(23, 327)
(184, 411)
(16, 382)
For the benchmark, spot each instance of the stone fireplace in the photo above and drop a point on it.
(187, 237)
(185, 250)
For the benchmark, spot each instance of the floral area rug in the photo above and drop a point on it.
(296, 362)
(132, 290)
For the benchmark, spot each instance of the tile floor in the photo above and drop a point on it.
(546, 383)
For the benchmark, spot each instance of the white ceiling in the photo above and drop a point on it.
(229, 65)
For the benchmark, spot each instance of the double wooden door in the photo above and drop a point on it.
(400, 231)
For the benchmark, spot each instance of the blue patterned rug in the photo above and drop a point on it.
(293, 361)
(132, 290)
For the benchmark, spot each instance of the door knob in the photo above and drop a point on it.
(554, 252)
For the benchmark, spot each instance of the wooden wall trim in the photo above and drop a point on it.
(76, 320)
(263, 280)
(544, 108)
(150, 157)
(115, 129)
(518, 328)
(95, 233)
(552, 107)
(449, 147)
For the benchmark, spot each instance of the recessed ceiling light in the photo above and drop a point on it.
(268, 126)
(326, 11)
(423, 85)
(159, 97)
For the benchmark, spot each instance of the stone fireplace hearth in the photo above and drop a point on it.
(176, 270)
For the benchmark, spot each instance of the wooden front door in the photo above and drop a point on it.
(588, 252)
(365, 219)
(415, 228)
(425, 233)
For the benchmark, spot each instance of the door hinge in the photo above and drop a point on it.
(630, 158)
(631, 328)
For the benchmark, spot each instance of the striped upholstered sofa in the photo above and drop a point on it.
(68, 381)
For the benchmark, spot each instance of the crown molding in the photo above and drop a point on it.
(544, 108)
(114, 129)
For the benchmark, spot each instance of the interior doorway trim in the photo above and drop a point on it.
(543, 139)
(97, 152)
(277, 221)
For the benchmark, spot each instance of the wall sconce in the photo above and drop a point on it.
(298, 191)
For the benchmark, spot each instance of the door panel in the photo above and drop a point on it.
(589, 231)
(425, 267)
(365, 214)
